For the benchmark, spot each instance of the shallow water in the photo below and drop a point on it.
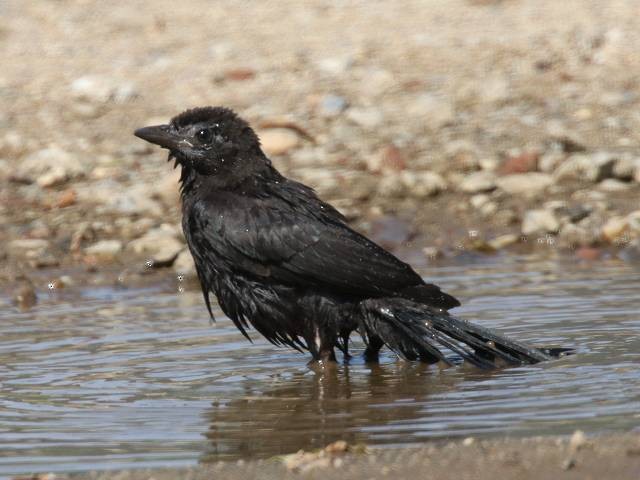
(97, 378)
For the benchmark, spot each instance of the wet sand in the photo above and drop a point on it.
(605, 457)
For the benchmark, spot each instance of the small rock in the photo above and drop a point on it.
(184, 265)
(578, 440)
(239, 74)
(335, 65)
(522, 163)
(105, 248)
(539, 222)
(467, 442)
(51, 166)
(12, 145)
(332, 105)
(436, 111)
(613, 185)
(339, 446)
(478, 182)
(462, 156)
(134, 200)
(278, 141)
(550, 160)
(633, 220)
(568, 464)
(527, 184)
(369, 118)
(392, 185)
(28, 247)
(160, 245)
(433, 253)
(66, 198)
(423, 184)
(593, 168)
(100, 89)
(614, 228)
(589, 254)
(479, 200)
(389, 159)
(503, 241)
(625, 167)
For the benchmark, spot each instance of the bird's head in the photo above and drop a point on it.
(211, 141)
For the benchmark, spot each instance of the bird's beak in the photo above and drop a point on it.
(160, 135)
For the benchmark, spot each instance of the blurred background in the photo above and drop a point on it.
(453, 126)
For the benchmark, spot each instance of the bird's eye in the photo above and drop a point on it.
(205, 135)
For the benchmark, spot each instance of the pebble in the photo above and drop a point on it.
(633, 220)
(478, 182)
(625, 167)
(613, 185)
(423, 184)
(527, 184)
(578, 440)
(278, 141)
(335, 65)
(539, 222)
(28, 247)
(503, 241)
(550, 160)
(388, 159)
(184, 265)
(522, 163)
(434, 110)
(101, 89)
(51, 166)
(105, 248)
(332, 105)
(614, 228)
(133, 200)
(160, 245)
(592, 168)
(369, 118)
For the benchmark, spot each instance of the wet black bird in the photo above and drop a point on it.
(281, 260)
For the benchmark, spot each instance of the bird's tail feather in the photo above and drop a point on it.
(414, 331)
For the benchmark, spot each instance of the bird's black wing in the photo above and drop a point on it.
(272, 239)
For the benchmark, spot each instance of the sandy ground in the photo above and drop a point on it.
(611, 457)
(452, 126)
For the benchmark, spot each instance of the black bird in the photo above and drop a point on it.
(283, 261)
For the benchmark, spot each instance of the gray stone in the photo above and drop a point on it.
(550, 160)
(625, 167)
(613, 185)
(435, 111)
(332, 105)
(114, 197)
(28, 247)
(278, 141)
(184, 265)
(160, 245)
(51, 166)
(539, 222)
(478, 182)
(101, 89)
(592, 168)
(105, 248)
(423, 184)
(368, 118)
(527, 184)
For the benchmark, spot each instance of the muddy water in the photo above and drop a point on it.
(96, 378)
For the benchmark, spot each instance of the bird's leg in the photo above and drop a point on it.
(321, 345)
(374, 344)
(344, 345)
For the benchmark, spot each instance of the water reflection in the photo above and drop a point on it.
(309, 410)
